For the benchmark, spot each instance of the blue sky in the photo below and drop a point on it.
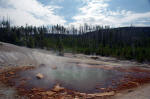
(69, 8)
(77, 12)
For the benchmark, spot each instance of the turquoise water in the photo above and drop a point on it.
(70, 76)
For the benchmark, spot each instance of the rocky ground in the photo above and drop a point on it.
(142, 92)
(12, 56)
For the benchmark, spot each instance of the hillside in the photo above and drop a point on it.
(130, 43)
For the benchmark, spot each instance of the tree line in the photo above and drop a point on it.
(123, 42)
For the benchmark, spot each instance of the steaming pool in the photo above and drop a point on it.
(78, 78)
(80, 75)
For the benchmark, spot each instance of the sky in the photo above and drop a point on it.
(116, 13)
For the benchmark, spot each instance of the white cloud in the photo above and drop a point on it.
(98, 12)
(30, 12)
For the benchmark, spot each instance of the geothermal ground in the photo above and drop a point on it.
(39, 74)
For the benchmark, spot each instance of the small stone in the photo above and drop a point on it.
(101, 94)
(49, 93)
(83, 94)
(118, 94)
(76, 97)
(130, 90)
(39, 76)
(58, 88)
(12, 73)
(102, 88)
(62, 97)
(105, 94)
(94, 57)
(91, 95)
